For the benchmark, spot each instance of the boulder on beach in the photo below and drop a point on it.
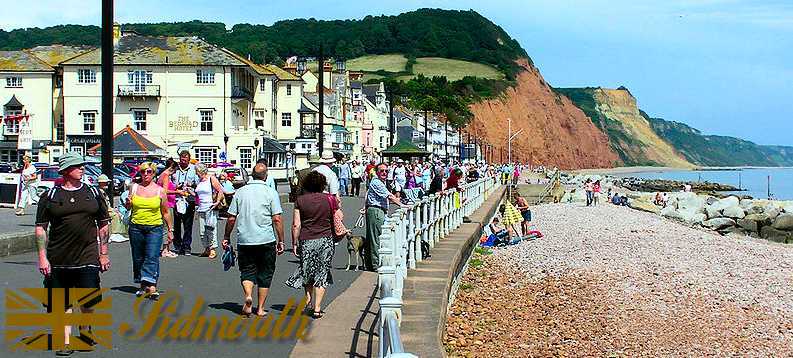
(691, 202)
(692, 217)
(727, 202)
(746, 203)
(718, 223)
(734, 212)
(644, 206)
(784, 222)
(713, 211)
(669, 212)
(772, 234)
(750, 225)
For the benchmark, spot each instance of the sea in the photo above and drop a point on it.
(756, 182)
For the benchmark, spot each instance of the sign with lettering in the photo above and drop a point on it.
(25, 139)
(183, 124)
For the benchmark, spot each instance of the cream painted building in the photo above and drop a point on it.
(26, 93)
(179, 92)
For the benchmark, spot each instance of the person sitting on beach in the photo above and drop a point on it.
(615, 199)
(623, 200)
(503, 234)
(658, 199)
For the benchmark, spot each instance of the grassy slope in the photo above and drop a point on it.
(373, 63)
(454, 69)
(395, 64)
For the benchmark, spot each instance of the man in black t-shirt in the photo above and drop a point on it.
(76, 249)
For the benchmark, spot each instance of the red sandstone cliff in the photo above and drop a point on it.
(555, 131)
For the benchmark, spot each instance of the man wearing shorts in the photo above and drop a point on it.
(76, 249)
(255, 216)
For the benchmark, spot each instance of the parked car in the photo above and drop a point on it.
(47, 178)
(237, 175)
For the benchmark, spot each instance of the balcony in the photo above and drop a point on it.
(138, 90)
(308, 131)
(241, 92)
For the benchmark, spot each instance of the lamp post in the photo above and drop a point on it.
(107, 92)
(509, 140)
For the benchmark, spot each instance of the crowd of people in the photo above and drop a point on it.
(158, 209)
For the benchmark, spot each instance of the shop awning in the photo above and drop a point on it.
(272, 146)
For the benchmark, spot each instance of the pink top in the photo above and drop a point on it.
(171, 197)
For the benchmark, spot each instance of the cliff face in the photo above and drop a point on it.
(555, 131)
(615, 112)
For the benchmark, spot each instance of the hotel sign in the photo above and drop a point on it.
(183, 124)
(25, 139)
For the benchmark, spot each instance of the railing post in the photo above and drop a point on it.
(410, 237)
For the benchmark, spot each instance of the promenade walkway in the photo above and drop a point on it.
(348, 329)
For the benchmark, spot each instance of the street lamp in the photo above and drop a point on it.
(509, 139)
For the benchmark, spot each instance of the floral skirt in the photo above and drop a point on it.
(315, 267)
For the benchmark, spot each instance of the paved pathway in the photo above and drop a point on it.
(191, 277)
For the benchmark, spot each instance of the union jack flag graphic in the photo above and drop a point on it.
(29, 327)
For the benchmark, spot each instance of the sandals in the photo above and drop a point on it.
(154, 296)
(317, 314)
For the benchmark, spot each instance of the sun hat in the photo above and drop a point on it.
(327, 157)
(71, 159)
(102, 179)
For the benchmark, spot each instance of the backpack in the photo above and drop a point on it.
(98, 196)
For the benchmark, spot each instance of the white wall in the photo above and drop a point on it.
(36, 96)
(172, 117)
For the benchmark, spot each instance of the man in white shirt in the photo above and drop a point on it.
(324, 168)
(400, 175)
(357, 175)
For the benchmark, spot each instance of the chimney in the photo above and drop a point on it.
(116, 33)
(291, 67)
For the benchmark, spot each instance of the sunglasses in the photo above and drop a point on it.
(147, 171)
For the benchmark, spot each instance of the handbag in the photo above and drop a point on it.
(229, 258)
(336, 220)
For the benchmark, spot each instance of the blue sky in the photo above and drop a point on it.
(722, 66)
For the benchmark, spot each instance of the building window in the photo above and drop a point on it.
(258, 117)
(288, 90)
(206, 121)
(246, 158)
(85, 75)
(206, 155)
(262, 84)
(11, 124)
(286, 119)
(14, 81)
(89, 122)
(139, 120)
(60, 135)
(205, 77)
(77, 149)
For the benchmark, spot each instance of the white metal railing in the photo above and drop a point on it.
(428, 220)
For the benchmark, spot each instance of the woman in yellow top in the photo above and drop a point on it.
(148, 203)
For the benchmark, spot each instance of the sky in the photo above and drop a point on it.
(722, 66)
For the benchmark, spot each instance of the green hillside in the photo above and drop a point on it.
(713, 150)
(464, 35)
(404, 68)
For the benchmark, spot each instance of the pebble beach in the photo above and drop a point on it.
(612, 281)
